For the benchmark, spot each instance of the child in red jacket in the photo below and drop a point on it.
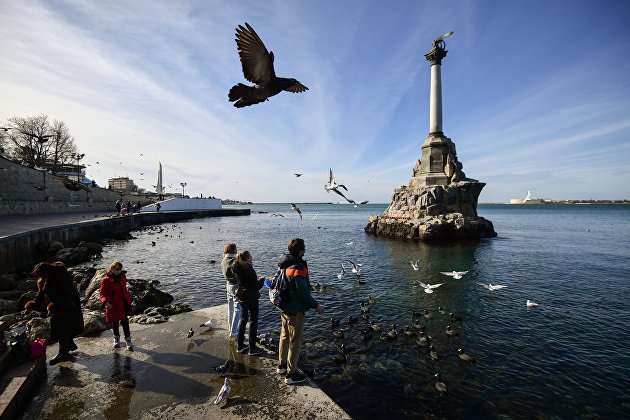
(117, 300)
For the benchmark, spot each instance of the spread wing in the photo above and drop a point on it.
(256, 60)
(295, 88)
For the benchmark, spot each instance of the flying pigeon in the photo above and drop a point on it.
(224, 393)
(295, 208)
(258, 68)
(297, 175)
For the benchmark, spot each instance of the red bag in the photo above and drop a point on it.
(38, 348)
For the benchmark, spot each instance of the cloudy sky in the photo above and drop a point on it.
(536, 94)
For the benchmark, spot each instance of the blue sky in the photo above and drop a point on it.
(536, 94)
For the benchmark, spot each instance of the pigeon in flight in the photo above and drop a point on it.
(415, 265)
(428, 288)
(295, 208)
(491, 286)
(454, 274)
(297, 175)
(258, 68)
(224, 393)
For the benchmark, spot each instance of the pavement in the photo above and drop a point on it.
(170, 376)
(12, 225)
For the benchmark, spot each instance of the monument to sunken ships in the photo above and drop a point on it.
(440, 202)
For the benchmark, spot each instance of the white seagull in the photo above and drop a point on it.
(415, 265)
(454, 274)
(343, 272)
(491, 286)
(428, 288)
(208, 323)
(356, 268)
(224, 393)
(531, 304)
(295, 208)
(332, 185)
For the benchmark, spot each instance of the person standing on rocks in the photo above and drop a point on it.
(66, 318)
(118, 207)
(117, 300)
(248, 293)
(234, 306)
(293, 312)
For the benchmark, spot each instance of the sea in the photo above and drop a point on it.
(567, 358)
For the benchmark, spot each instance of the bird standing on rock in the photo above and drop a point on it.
(258, 68)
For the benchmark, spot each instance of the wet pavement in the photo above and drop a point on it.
(170, 376)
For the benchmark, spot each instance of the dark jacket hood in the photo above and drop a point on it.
(288, 260)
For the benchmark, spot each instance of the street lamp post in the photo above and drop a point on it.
(183, 184)
(78, 157)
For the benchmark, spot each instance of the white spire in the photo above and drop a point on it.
(159, 188)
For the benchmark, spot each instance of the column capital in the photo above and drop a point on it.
(436, 54)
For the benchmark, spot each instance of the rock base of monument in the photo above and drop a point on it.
(435, 212)
(452, 226)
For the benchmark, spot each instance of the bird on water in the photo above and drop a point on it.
(258, 68)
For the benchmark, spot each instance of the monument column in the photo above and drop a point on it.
(435, 106)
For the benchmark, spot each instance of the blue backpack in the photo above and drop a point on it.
(279, 293)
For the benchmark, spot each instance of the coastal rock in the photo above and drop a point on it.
(82, 276)
(27, 285)
(72, 256)
(94, 301)
(7, 306)
(25, 298)
(92, 246)
(7, 282)
(11, 295)
(20, 319)
(93, 285)
(54, 247)
(38, 328)
(94, 323)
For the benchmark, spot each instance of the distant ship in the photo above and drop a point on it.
(527, 200)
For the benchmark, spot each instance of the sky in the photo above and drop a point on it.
(536, 94)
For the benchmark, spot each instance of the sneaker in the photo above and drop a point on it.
(129, 343)
(256, 351)
(295, 378)
(116, 342)
(281, 370)
(243, 349)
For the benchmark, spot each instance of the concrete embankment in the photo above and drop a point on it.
(20, 248)
(169, 376)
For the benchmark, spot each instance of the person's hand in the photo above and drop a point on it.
(319, 309)
(108, 305)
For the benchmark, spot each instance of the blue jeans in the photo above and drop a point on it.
(249, 313)
(234, 309)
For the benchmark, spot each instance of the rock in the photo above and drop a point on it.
(93, 247)
(19, 319)
(43, 246)
(94, 323)
(72, 256)
(38, 328)
(27, 285)
(94, 301)
(9, 320)
(12, 295)
(7, 282)
(54, 247)
(94, 284)
(7, 306)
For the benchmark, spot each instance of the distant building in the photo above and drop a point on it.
(122, 184)
(527, 200)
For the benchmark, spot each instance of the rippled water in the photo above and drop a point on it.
(566, 358)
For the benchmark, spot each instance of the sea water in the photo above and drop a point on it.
(567, 358)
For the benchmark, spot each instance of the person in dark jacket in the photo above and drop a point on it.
(248, 293)
(66, 318)
(234, 305)
(117, 300)
(293, 311)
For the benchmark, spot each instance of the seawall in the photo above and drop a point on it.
(20, 250)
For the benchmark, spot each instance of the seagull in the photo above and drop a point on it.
(343, 272)
(295, 208)
(257, 65)
(276, 215)
(190, 333)
(415, 266)
(207, 324)
(332, 185)
(297, 175)
(356, 268)
(224, 393)
(428, 288)
(531, 304)
(349, 243)
(440, 386)
(454, 274)
(491, 286)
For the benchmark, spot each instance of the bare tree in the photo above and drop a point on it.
(34, 141)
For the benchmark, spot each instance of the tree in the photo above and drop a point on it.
(34, 141)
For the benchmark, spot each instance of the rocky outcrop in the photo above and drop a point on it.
(432, 213)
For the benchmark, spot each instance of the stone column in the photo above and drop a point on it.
(435, 56)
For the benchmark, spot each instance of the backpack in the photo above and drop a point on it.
(279, 293)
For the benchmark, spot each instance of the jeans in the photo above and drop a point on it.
(249, 312)
(234, 309)
(125, 325)
(291, 335)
